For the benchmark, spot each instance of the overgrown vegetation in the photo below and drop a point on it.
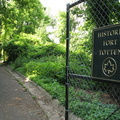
(44, 64)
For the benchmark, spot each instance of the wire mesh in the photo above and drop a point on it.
(90, 99)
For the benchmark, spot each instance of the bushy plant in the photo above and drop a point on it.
(46, 70)
(80, 63)
(13, 51)
(20, 62)
(48, 50)
(15, 48)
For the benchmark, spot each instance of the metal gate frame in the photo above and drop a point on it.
(67, 54)
(69, 6)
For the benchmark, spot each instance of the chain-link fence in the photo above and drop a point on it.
(88, 98)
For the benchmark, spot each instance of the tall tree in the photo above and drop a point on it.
(18, 16)
(21, 15)
(31, 13)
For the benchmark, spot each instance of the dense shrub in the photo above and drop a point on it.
(47, 61)
(13, 51)
(20, 62)
(80, 63)
(47, 50)
(46, 70)
(16, 48)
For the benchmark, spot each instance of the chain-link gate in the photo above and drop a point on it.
(88, 98)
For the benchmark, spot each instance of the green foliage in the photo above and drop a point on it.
(31, 13)
(103, 12)
(52, 86)
(20, 62)
(88, 106)
(81, 61)
(44, 62)
(45, 65)
(92, 111)
(14, 50)
(21, 16)
(21, 46)
(61, 27)
(46, 70)
(48, 60)
(18, 17)
(48, 50)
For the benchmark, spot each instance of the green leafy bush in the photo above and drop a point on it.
(80, 63)
(46, 70)
(47, 50)
(14, 49)
(20, 62)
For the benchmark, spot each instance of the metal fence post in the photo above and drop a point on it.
(67, 60)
